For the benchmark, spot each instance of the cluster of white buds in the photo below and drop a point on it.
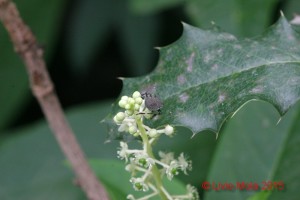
(146, 170)
(135, 109)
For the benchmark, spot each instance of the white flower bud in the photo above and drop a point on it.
(129, 112)
(138, 100)
(132, 129)
(169, 130)
(122, 103)
(124, 98)
(136, 106)
(116, 120)
(131, 101)
(136, 94)
(130, 197)
(153, 133)
(136, 134)
(120, 116)
(127, 106)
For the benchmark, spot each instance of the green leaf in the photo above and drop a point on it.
(145, 6)
(14, 87)
(136, 34)
(252, 152)
(236, 16)
(91, 20)
(263, 195)
(206, 76)
(287, 164)
(291, 8)
(292, 11)
(32, 165)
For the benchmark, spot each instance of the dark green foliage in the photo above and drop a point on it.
(106, 39)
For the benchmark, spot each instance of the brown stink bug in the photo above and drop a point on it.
(152, 102)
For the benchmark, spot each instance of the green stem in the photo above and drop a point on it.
(148, 148)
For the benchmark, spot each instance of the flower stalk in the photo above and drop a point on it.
(148, 149)
(148, 171)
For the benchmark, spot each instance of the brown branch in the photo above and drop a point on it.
(42, 87)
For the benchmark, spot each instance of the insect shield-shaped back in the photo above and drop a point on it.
(152, 102)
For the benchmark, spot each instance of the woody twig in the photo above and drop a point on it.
(26, 46)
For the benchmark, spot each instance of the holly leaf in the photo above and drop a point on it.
(207, 75)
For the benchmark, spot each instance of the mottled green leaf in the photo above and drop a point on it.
(206, 76)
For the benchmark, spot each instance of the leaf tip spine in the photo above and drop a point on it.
(278, 120)
(217, 135)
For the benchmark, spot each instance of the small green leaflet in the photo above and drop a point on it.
(207, 75)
